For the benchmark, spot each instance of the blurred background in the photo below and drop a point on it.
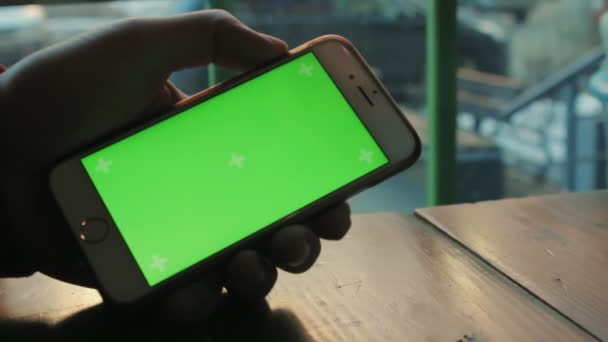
(528, 121)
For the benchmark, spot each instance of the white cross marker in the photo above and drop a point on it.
(103, 165)
(158, 263)
(305, 70)
(366, 156)
(237, 160)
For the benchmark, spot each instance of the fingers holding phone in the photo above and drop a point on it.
(251, 274)
(319, 138)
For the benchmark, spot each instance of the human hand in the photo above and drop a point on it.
(63, 98)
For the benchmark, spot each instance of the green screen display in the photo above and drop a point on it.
(195, 183)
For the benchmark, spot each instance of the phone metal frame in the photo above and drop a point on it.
(119, 277)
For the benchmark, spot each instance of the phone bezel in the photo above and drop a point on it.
(120, 278)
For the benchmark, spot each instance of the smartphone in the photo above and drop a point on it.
(163, 202)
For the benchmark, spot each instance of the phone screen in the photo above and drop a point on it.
(197, 182)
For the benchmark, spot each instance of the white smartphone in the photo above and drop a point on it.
(168, 199)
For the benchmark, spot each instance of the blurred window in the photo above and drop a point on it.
(535, 53)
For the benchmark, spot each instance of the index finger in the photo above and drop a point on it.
(332, 224)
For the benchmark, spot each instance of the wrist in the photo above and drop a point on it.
(13, 261)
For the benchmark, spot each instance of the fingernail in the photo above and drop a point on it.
(302, 258)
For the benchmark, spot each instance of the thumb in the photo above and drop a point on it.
(200, 38)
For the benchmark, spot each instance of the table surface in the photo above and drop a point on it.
(554, 246)
(393, 278)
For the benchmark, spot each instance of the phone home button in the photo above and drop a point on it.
(93, 230)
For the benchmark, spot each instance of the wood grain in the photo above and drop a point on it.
(398, 279)
(392, 278)
(555, 246)
(40, 298)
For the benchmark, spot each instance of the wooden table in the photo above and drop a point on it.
(393, 278)
(556, 247)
